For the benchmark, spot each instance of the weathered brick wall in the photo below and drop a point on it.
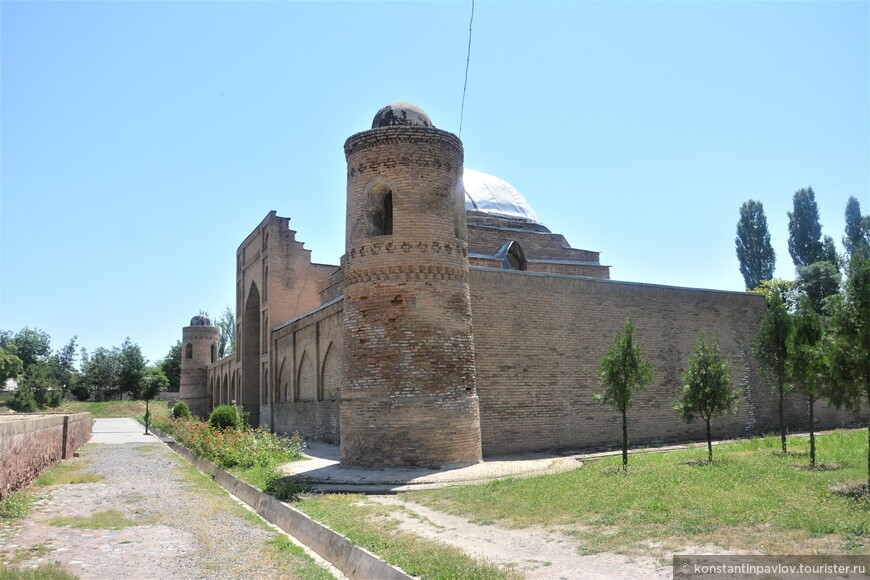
(408, 397)
(540, 339)
(30, 443)
(307, 352)
(195, 388)
(312, 419)
(275, 282)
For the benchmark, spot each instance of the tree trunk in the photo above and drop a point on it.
(624, 441)
(812, 433)
(782, 419)
(709, 444)
(868, 456)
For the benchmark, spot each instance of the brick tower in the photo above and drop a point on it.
(408, 394)
(199, 343)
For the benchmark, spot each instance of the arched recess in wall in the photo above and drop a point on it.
(512, 256)
(250, 399)
(281, 393)
(188, 350)
(306, 379)
(213, 353)
(379, 209)
(225, 390)
(331, 375)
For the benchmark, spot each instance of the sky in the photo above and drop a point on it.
(140, 142)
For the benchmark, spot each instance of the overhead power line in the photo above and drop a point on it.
(467, 62)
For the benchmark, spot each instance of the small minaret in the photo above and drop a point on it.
(199, 343)
(408, 395)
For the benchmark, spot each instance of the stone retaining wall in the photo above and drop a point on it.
(30, 443)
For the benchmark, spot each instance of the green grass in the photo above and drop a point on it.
(369, 525)
(751, 498)
(106, 520)
(51, 571)
(291, 556)
(16, 505)
(68, 471)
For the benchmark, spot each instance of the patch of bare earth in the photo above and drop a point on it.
(533, 552)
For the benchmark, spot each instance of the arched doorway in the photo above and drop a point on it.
(251, 357)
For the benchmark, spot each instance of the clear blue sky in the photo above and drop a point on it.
(141, 142)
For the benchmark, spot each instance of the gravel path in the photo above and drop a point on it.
(186, 526)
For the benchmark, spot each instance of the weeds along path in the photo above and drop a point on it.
(533, 552)
(150, 515)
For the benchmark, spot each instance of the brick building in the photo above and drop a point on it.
(457, 325)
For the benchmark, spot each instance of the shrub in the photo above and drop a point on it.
(23, 400)
(224, 417)
(180, 410)
(281, 486)
(81, 391)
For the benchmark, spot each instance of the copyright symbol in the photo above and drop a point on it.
(684, 568)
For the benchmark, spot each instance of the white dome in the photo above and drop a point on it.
(494, 196)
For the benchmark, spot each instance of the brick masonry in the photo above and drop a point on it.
(446, 334)
(30, 443)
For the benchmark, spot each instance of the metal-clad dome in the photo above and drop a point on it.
(494, 196)
(200, 320)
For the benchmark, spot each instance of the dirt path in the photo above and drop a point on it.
(534, 552)
(175, 522)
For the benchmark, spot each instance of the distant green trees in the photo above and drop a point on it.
(45, 376)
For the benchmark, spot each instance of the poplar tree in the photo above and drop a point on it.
(804, 230)
(857, 238)
(623, 372)
(707, 391)
(756, 255)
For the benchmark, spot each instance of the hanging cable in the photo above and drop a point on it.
(467, 62)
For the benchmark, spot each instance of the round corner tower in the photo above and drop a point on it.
(408, 395)
(199, 343)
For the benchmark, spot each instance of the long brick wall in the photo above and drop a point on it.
(540, 338)
(30, 443)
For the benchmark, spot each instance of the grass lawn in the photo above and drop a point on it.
(752, 498)
(369, 525)
(104, 409)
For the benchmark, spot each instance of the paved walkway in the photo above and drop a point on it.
(323, 472)
(174, 522)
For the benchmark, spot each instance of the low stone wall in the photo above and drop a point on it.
(30, 443)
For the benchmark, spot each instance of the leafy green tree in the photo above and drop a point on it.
(171, 366)
(804, 230)
(807, 368)
(67, 361)
(226, 326)
(623, 372)
(818, 282)
(101, 371)
(707, 389)
(849, 346)
(857, 238)
(43, 379)
(153, 383)
(28, 344)
(11, 366)
(771, 349)
(131, 369)
(756, 255)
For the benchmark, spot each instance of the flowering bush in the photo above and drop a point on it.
(229, 448)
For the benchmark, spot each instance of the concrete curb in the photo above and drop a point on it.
(353, 561)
